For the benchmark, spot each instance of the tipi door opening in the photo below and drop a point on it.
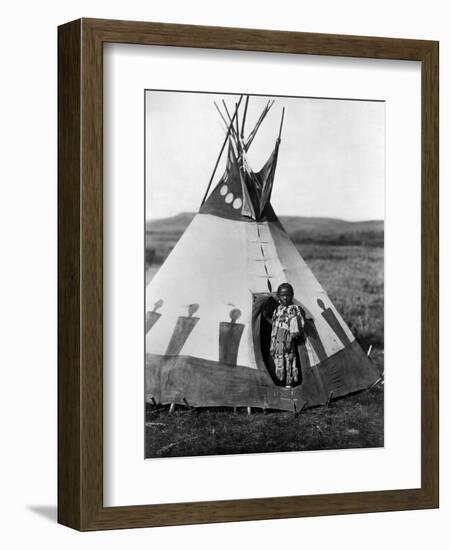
(264, 304)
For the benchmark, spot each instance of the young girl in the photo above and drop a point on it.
(287, 325)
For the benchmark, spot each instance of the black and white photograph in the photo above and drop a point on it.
(264, 273)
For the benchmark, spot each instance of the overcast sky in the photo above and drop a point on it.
(330, 163)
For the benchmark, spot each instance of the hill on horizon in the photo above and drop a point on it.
(161, 235)
(181, 221)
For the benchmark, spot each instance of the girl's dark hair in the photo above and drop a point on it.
(287, 286)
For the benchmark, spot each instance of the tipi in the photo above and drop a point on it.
(206, 338)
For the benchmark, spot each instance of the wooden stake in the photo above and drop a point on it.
(249, 410)
(172, 408)
(377, 381)
(186, 403)
(302, 408)
(329, 399)
(369, 350)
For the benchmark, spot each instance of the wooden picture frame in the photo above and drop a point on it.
(80, 272)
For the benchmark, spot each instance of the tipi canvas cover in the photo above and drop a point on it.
(207, 340)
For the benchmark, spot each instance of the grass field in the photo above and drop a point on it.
(352, 422)
(348, 261)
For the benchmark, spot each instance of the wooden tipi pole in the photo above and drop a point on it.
(281, 125)
(244, 117)
(221, 151)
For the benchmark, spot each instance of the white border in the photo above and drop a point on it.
(128, 478)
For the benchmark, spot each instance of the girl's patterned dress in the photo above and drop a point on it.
(287, 324)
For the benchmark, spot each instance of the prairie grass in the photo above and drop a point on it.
(353, 277)
(353, 422)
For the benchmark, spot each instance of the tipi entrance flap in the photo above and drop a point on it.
(264, 304)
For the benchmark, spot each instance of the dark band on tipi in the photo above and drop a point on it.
(220, 154)
(242, 194)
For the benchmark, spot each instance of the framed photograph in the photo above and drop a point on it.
(248, 274)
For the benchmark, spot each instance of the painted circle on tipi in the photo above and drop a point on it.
(224, 190)
(237, 203)
(229, 198)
